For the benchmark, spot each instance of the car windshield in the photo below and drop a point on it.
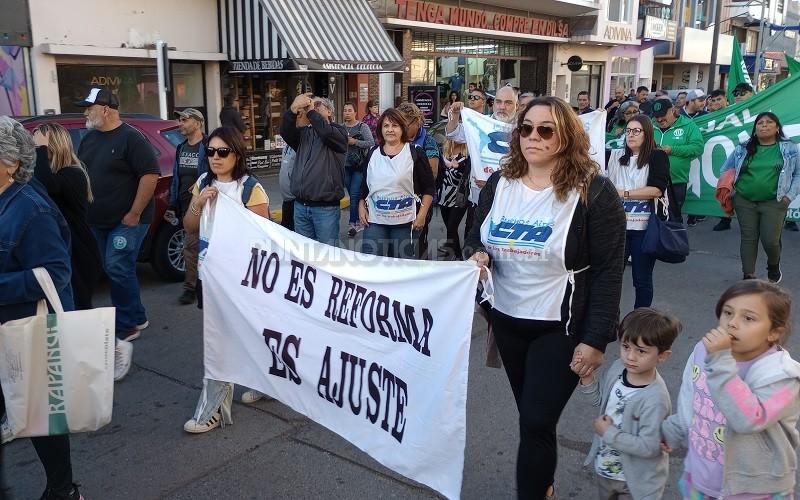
(173, 136)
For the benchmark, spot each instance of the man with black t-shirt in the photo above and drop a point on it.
(123, 172)
(190, 164)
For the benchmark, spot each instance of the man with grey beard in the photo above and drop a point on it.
(123, 172)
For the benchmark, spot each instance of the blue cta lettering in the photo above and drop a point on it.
(394, 204)
(636, 206)
(498, 142)
(519, 231)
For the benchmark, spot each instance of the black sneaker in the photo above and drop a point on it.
(187, 297)
(691, 221)
(724, 224)
(774, 274)
(700, 218)
(791, 226)
(74, 494)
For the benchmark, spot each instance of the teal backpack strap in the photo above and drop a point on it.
(247, 189)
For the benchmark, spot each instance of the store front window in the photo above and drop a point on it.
(623, 73)
(453, 62)
(590, 79)
(136, 86)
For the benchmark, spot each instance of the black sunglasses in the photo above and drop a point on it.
(739, 93)
(222, 152)
(475, 97)
(544, 132)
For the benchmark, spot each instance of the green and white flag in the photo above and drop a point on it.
(793, 65)
(738, 72)
(728, 127)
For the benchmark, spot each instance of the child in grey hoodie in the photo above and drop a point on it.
(738, 405)
(633, 400)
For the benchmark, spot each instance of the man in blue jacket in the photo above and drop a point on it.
(190, 164)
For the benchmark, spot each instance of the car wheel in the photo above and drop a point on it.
(167, 253)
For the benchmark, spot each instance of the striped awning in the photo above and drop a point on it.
(306, 35)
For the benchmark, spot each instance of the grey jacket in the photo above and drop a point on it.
(288, 157)
(762, 410)
(639, 440)
(318, 176)
(789, 178)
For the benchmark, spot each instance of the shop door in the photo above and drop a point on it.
(188, 88)
(589, 78)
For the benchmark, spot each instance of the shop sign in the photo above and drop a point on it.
(656, 28)
(429, 12)
(264, 160)
(618, 33)
(263, 65)
(426, 97)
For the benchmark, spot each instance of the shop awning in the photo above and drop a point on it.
(341, 36)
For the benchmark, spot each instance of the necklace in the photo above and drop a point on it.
(536, 185)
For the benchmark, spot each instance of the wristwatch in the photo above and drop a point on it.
(626, 194)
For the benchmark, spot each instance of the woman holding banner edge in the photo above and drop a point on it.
(766, 180)
(227, 174)
(552, 231)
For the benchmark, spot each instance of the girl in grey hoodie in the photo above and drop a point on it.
(738, 405)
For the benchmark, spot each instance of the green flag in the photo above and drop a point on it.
(793, 65)
(738, 72)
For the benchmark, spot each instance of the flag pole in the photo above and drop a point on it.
(712, 70)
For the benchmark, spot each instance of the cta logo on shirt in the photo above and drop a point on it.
(392, 204)
(520, 233)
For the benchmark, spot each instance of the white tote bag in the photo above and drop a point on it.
(57, 370)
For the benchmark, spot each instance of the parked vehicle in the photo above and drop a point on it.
(163, 247)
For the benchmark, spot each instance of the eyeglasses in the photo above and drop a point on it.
(740, 93)
(222, 152)
(544, 132)
(631, 112)
(633, 131)
(475, 97)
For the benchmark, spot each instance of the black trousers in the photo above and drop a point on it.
(679, 190)
(452, 219)
(536, 356)
(54, 454)
(287, 216)
(421, 237)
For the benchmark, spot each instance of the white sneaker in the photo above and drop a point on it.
(251, 396)
(193, 427)
(143, 325)
(123, 354)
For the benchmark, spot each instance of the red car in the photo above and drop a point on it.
(163, 247)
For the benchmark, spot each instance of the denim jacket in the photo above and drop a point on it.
(202, 167)
(789, 179)
(32, 234)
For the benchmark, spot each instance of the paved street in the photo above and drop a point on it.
(273, 452)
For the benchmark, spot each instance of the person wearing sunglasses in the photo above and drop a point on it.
(625, 112)
(227, 174)
(190, 164)
(680, 138)
(640, 172)
(742, 92)
(397, 190)
(551, 229)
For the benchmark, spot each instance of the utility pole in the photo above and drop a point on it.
(712, 70)
(162, 66)
(760, 45)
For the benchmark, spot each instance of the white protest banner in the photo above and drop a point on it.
(594, 124)
(373, 348)
(488, 140)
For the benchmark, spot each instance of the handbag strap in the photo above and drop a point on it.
(49, 289)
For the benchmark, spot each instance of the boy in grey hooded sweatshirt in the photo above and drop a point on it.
(634, 401)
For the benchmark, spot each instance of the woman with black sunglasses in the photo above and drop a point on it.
(228, 174)
(640, 172)
(766, 180)
(552, 231)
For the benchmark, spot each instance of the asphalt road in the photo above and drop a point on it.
(273, 452)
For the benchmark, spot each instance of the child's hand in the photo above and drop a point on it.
(665, 446)
(601, 424)
(717, 340)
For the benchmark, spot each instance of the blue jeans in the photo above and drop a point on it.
(388, 241)
(318, 223)
(642, 266)
(352, 181)
(119, 249)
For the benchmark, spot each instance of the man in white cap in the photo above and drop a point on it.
(695, 104)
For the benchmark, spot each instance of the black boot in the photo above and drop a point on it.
(724, 224)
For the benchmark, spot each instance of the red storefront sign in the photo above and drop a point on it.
(429, 12)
